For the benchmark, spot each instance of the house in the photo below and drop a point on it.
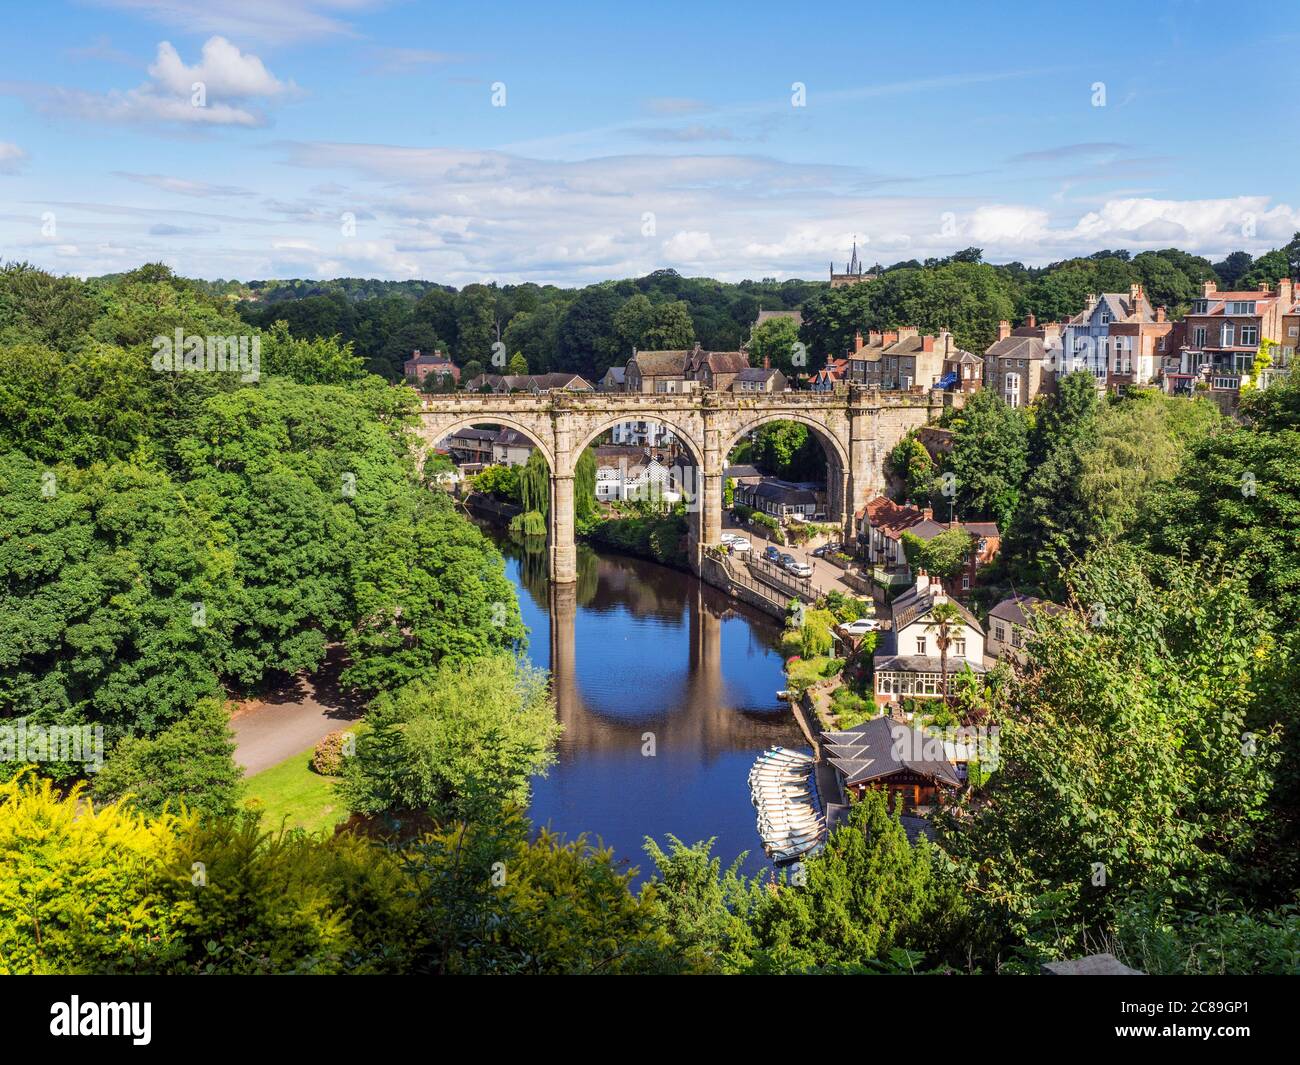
(511, 448)
(890, 756)
(641, 433)
(831, 377)
(1116, 339)
(613, 381)
(742, 474)
(471, 446)
(657, 371)
(713, 371)
(1223, 331)
(1021, 364)
(899, 360)
(962, 371)
(882, 524)
(760, 379)
(624, 473)
(418, 367)
(1010, 624)
(535, 383)
(908, 661)
(778, 499)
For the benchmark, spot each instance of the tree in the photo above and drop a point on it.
(910, 462)
(191, 762)
(518, 366)
(1121, 766)
(777, 342)
(945, 619)
(989, 457)
(943, 556)
(670, 328)
(456, 744)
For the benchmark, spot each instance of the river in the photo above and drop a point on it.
(646, 658)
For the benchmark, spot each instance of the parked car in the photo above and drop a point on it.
(739, 545)
(860, 627)
(799, 569)
(820, 552)
(728, 538)
(772, 554)
(786, 560)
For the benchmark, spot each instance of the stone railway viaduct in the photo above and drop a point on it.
(857, 429)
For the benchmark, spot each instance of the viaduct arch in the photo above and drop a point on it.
(857, 429)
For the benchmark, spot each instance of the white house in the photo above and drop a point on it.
(640, 433)
(511, 448)
(907, 660)
(625, 473)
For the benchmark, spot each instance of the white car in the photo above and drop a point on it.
(738, 544)
(860, 627)
(799, 569)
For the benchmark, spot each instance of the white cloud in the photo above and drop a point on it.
(263, 20)
(229, 80)
(12, 158)
(223, 69)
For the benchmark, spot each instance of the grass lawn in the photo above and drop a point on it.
(296, 794)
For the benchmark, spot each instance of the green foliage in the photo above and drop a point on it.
(1227, 940)
(817, 639)
(529, 523)
(911, 464)
(646, 533)
(989, 458)
(535, 483)
(500, 482)
(456, 742)
(943, 556)
(777, 341)
(192, 762)
(1135, 743)
(788, 450)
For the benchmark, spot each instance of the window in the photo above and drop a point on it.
(1227, 335)
(1250, 334)
(1012, 389)
(965, 584)
(1228, 384)
(1243, 363)
(920, 645)
(1017, 636)
(1201, 307)
(1198, 336)
(1105, 317)
(999, 632)
(1242, 307)
(959, 648)
(1293, 330)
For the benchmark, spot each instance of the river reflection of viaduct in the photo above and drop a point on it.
(857, 429)
(700, 714)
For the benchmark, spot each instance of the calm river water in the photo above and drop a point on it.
(637, 648)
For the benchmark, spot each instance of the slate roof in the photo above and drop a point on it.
(660, 363)
(882, 747)
(1015, 347)
(784, 493)
(912, 605)
(741, 472)
(756, 373)
(1015, 609)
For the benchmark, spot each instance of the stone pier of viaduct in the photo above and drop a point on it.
(856, 428)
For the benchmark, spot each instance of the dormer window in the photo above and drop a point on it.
(1242, 307)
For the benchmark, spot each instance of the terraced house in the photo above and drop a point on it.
(900, 360)
(1116, 337)
(1022, 363)
(1223, 331)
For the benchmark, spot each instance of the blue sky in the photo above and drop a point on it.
(360, 137)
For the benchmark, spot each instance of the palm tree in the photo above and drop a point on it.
(945, 620)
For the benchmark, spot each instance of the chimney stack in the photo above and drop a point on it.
(905, 332)
(1004, 329)
(922, 581)
(767, 362)
(1162, 315)
(889, 337)
(1286, 293)
(857, 341)
(927, 513)
(1208, 289)
(1135, 294)
(1030, 321)
(927, 343)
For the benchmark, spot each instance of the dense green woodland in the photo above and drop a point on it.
(587, 330)
(171, 540)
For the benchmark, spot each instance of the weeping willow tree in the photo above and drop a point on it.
(584, 487)
(535, 485)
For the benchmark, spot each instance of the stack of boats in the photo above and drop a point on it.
(783, 786)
